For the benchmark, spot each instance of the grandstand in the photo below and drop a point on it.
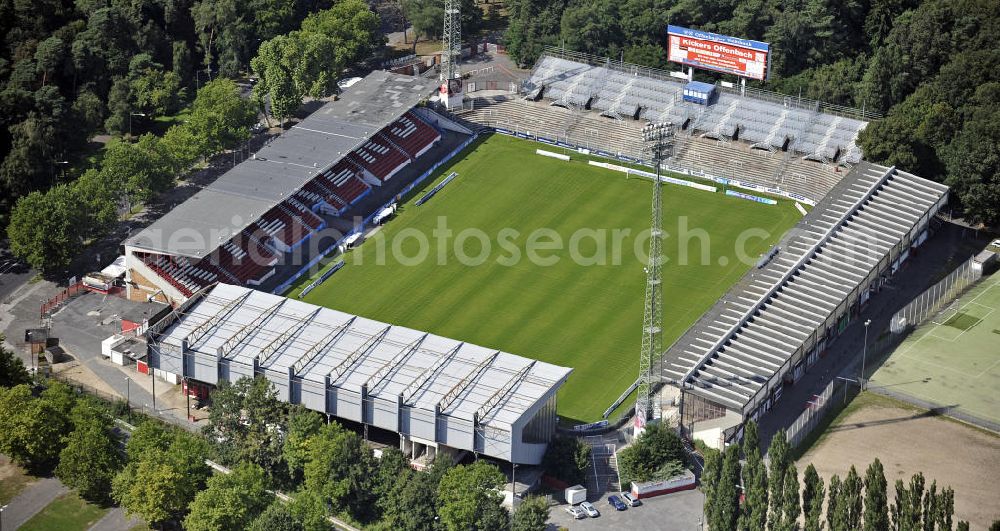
(786, 145)
(438, 394)
(237, 229)
(777, 321)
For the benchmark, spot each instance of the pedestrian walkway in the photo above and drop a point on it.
(31, 500)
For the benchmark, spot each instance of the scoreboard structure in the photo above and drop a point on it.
(710, 51)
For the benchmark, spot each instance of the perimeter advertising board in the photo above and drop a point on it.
(711, 51)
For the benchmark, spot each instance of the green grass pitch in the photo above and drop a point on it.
(955, 363)
(588, 317)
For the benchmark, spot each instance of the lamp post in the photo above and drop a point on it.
(128, 396)
(864, 354)
(130, 115)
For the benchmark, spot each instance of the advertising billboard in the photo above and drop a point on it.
(710, 51)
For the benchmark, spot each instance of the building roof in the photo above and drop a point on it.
(699, 86)
(735, 352)
(465, 380)
(240, 196)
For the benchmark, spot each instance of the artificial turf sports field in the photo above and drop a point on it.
(954, 358)
(588, 317)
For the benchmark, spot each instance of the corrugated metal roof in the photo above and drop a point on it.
(355, 351)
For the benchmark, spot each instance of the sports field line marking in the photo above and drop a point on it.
(981, 319)
(988, 369)
(938, 365)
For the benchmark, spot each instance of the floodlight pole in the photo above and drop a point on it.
(864, 355)
(658, 138)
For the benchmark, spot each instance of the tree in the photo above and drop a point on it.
(303, 424)
(138, 171)
(245, 421)
(352, 26)
(33, 428)
(567, 459)
(710, 477)
(309, 508)
(469, 498)
(12, 371)
(963, 526)
(812, 500)
(930, 508)
(183, 146)
(148, 489)
(89, 458)
(753, 512)
(229, 501)
(531, 515)
(166, 469)
(833, 505)
(657, 454)
(46, 229)
(391, 466)
(915, 496)
(946, 509)
(849, 504)
(277, 517)
(220, 117)
(791, 509)
(292, 66)
(900, 508)
(779, 454)
(412, 503)
(724, 512)
(101, 199)
(153, 90)
(876, 498)
(119, 107)
(340, 470)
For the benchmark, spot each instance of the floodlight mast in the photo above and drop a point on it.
(658, 139)
(450, 77)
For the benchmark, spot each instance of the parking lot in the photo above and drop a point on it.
(680, 511)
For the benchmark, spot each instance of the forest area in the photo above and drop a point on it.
(159, 79)
(927, 65)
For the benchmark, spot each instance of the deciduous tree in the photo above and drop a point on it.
(468, 498)
(229, 501)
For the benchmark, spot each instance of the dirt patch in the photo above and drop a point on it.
(12, 480)
(908, 441)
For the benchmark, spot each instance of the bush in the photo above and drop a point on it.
(657, 454)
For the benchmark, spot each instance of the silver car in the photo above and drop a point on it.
(631, 500)
(590, 509)
(576, 512)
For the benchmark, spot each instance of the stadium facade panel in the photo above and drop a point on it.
(433, 391)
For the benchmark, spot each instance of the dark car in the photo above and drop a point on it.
(617, 503)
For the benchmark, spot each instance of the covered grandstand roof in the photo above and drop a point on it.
(742, 347)
(321, 345)
(240, 196)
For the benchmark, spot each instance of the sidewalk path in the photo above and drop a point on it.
(32, 499)
(115, 520)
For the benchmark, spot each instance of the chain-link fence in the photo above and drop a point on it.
(936, 298)
(816, 410)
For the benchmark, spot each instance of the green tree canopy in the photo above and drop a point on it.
(468, 498)
(229, 501)
(12, 371)
(531, 515)
(220, 117)
(246, 421)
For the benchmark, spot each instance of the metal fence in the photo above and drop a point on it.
(935, 298)
(814, 413)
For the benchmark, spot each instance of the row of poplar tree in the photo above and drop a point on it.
(745, 493)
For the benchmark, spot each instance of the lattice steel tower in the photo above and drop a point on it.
(451, 77)
(658, 138)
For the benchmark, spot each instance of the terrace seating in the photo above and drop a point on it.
(411, 134)
(246, 257)
(380, 159)
(179, 272)
(284, 226)
(343, 180)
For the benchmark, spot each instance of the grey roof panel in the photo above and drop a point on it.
(240, 196)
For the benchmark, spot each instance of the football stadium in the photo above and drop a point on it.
(319, 262)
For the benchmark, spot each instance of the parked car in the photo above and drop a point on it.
(617, 502)
(576, 512)
(631, 500)
(590, 509)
